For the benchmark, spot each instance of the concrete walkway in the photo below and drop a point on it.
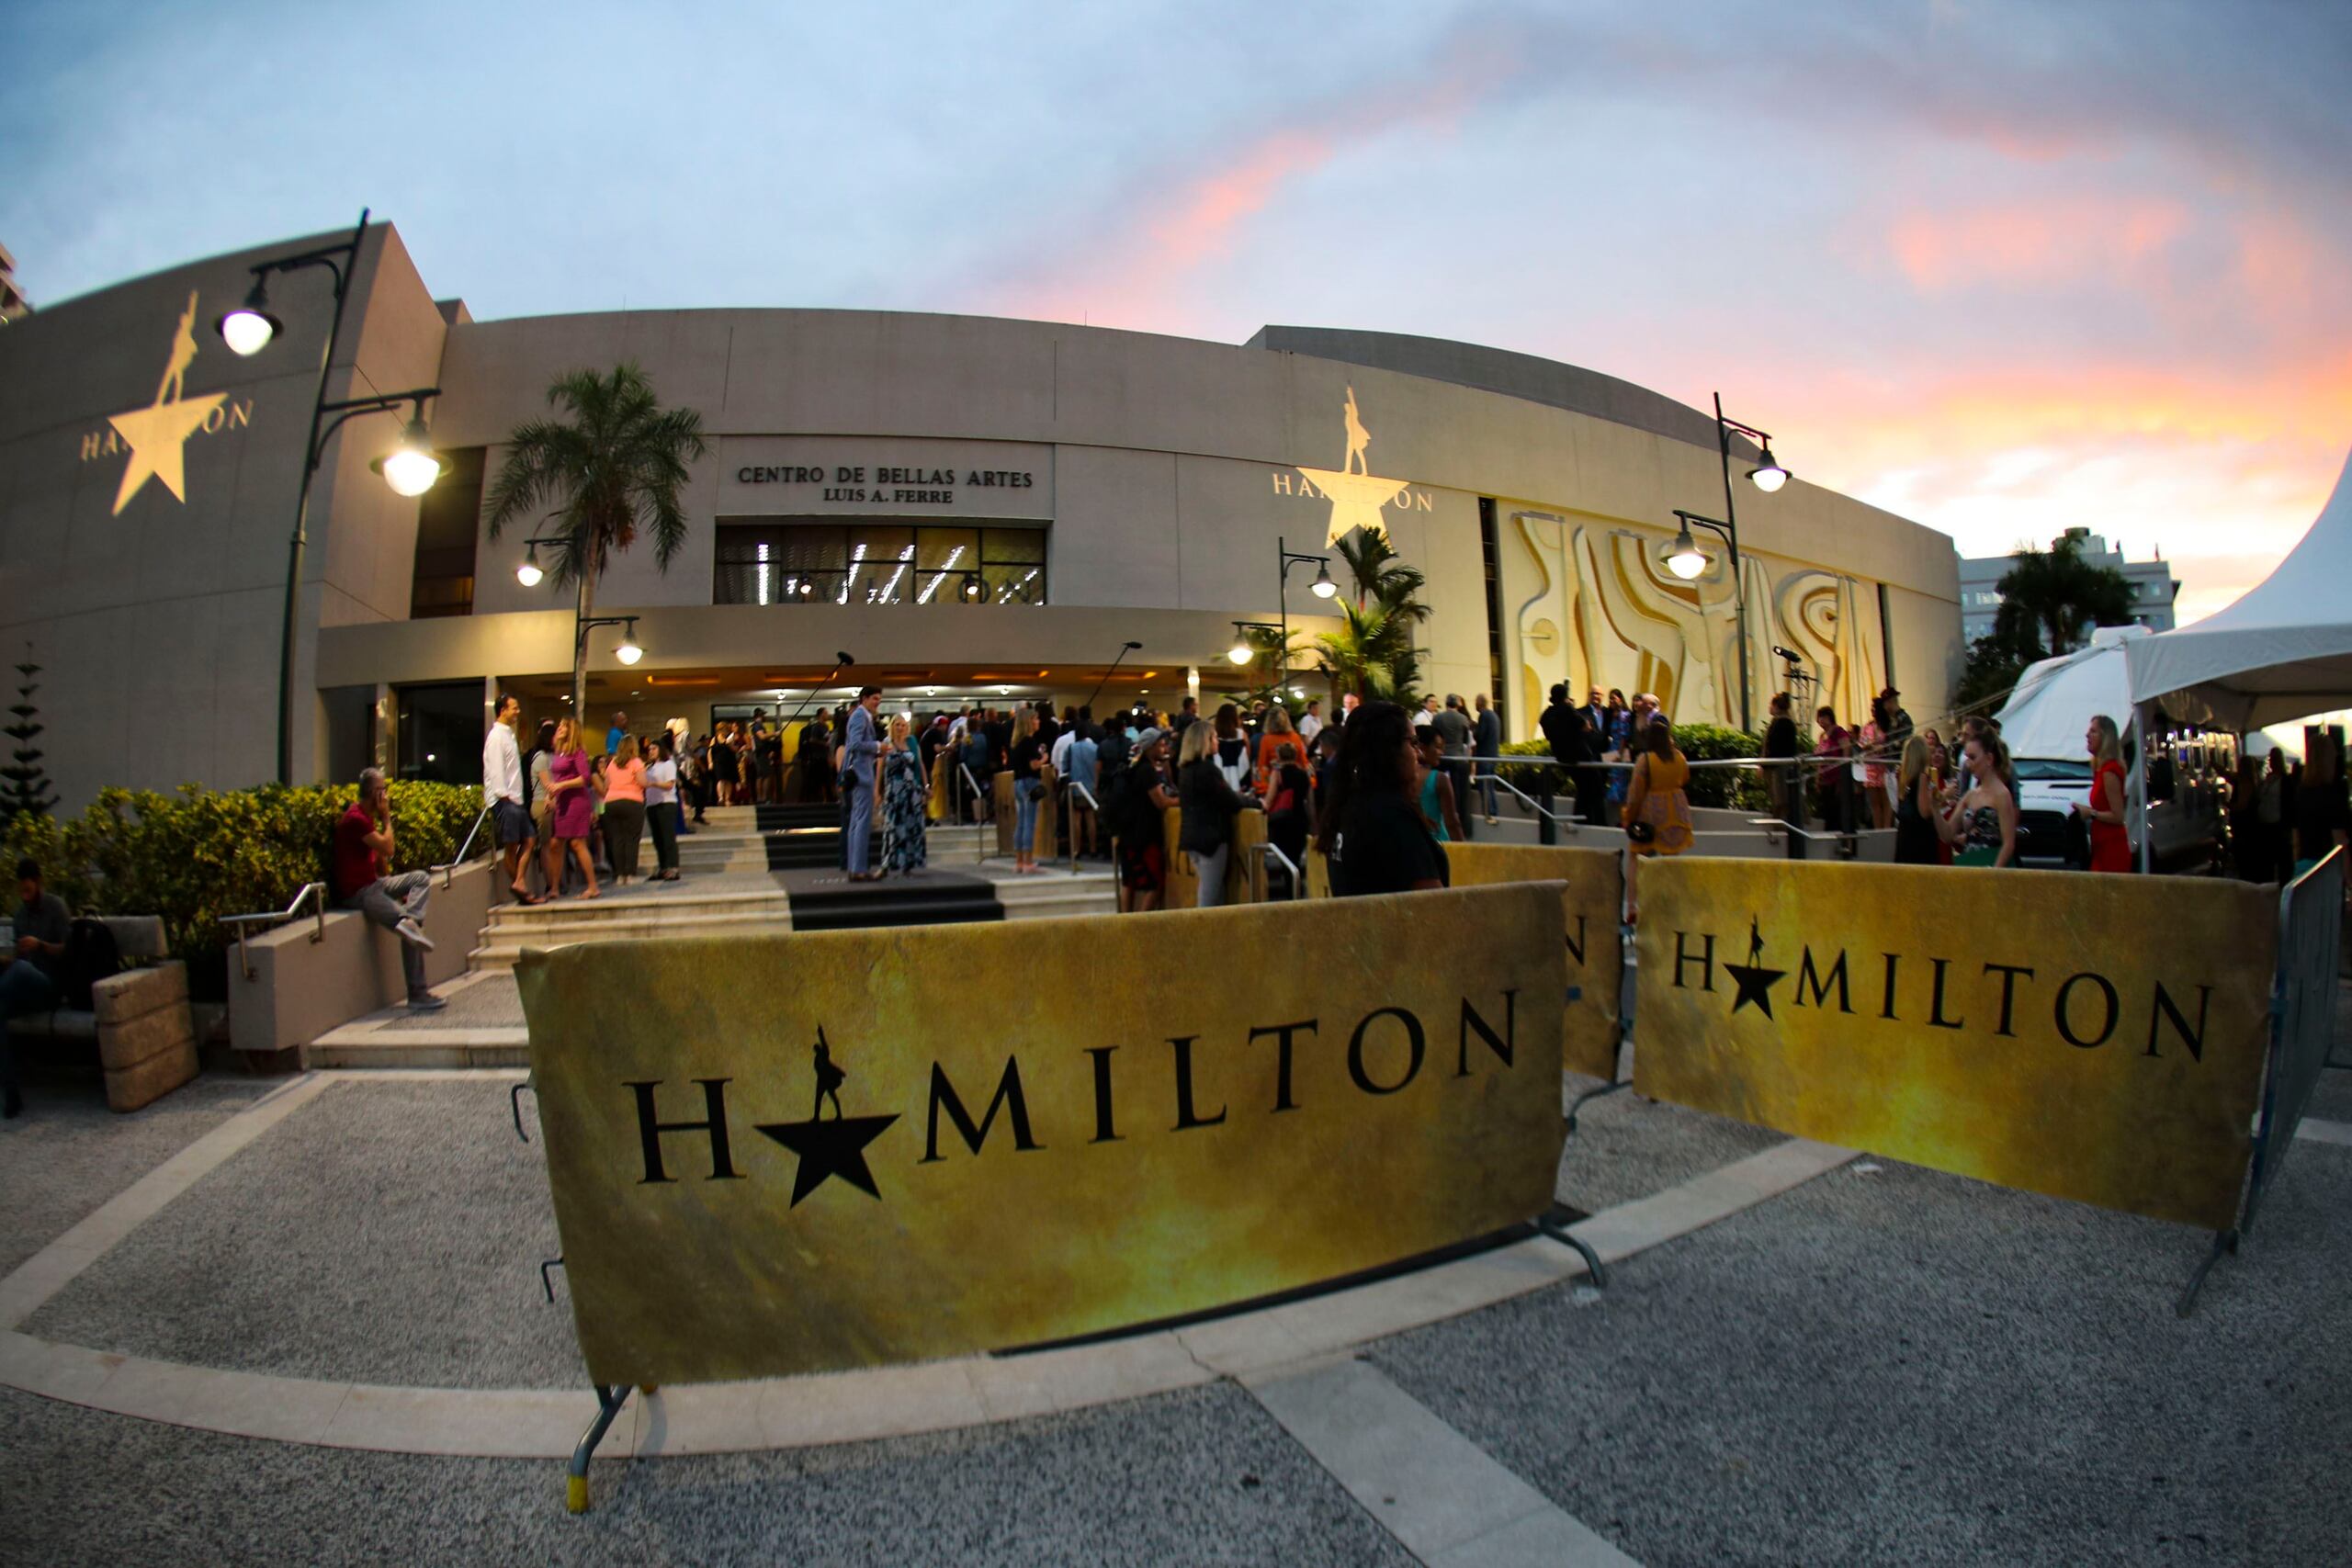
(1801, 1356)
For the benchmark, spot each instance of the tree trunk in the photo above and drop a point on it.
(579, 656)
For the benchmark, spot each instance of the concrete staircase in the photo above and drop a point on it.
(729, 908)
(757, 904)
(733, 840)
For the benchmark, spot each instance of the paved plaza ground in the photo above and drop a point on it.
(1878, 1364)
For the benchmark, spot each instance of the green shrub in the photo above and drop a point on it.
(198, 854)
(1539, 777)
(1738, 788)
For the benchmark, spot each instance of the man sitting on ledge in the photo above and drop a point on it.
(361, 880)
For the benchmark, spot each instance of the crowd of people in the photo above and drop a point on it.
(564, 816)
(573, 819)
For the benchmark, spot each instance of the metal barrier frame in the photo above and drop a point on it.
(2303, 1032)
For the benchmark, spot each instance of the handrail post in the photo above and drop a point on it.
(1546, 831)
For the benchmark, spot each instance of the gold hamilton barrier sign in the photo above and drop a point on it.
(2098, 1038)
(1592, 899)
(790, 1153)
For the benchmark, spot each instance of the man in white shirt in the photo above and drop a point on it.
(1425, 713)
(502, 786)
(1310, 724)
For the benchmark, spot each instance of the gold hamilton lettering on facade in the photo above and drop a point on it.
(156, 436)
(1355, 492)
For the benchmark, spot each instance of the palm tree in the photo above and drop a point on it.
(2057, 593)
(1373, 654)
(615, 465)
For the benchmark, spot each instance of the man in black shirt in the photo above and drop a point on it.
(1572, 748)
(30, 983)
(1783, 782)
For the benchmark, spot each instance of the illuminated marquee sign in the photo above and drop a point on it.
(156, 436)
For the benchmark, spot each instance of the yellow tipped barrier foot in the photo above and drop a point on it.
(575, 1494)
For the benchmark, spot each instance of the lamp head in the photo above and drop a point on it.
(1686, 560)
(248, 329)
(1324, 588)
(1769, 476)
(530, 573)
(1240, 653)
(628, 652)
(412, 466)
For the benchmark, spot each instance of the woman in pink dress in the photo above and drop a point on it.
(574, 817)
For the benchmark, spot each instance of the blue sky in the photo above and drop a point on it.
(2000, 267)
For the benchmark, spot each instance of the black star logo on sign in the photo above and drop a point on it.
(1755, 981)
(829, 1148)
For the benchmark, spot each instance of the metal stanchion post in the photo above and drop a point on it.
(1547, 830)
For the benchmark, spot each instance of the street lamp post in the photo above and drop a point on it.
(1241, 653)
(1323, 586)
(1767, 476)
(410, 468)
(1686, 560)
(530, 574)
(1124, 651)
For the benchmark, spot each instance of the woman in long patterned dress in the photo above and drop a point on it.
(904, 790)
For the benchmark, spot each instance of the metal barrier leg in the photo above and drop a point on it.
(515, 1103)
(575, 1487)
(2223, 1241)
(546, 1281)
(1579, 1102)
(1560, 1233)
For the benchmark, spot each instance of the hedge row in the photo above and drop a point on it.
(1738, 787)
(197, 855)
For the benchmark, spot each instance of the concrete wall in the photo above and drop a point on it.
(158, 621)
(1167, 468)
(302, 990)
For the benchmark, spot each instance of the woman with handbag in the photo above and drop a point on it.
(1657, 805)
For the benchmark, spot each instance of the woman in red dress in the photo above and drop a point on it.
(2110, 839)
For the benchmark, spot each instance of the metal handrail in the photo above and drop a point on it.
(1570, 823)
(1298, 877)
(965, 768)
(1091, 805)
(449, 872)
(318, 932)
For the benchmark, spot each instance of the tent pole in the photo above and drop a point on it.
(2139, 804)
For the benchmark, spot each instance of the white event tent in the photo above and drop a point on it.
(2282, 650)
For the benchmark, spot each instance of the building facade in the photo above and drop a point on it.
(974, 507)
(2153, 587)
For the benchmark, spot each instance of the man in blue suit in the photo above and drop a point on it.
(860, 749)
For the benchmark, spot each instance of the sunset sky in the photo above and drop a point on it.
(1999, 267)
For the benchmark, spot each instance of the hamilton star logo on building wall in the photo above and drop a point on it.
(157, 435)
(1355, 492)
(829, 1148)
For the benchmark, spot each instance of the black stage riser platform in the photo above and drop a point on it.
(825, 900)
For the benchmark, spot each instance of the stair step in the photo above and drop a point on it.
(852, 918)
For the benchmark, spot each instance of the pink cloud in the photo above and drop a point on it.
(2032, 243)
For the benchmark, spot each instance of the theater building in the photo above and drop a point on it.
(971, 506)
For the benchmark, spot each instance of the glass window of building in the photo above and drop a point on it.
(787, 561)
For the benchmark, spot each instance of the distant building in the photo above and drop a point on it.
(2153, 587)
(13, 302)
